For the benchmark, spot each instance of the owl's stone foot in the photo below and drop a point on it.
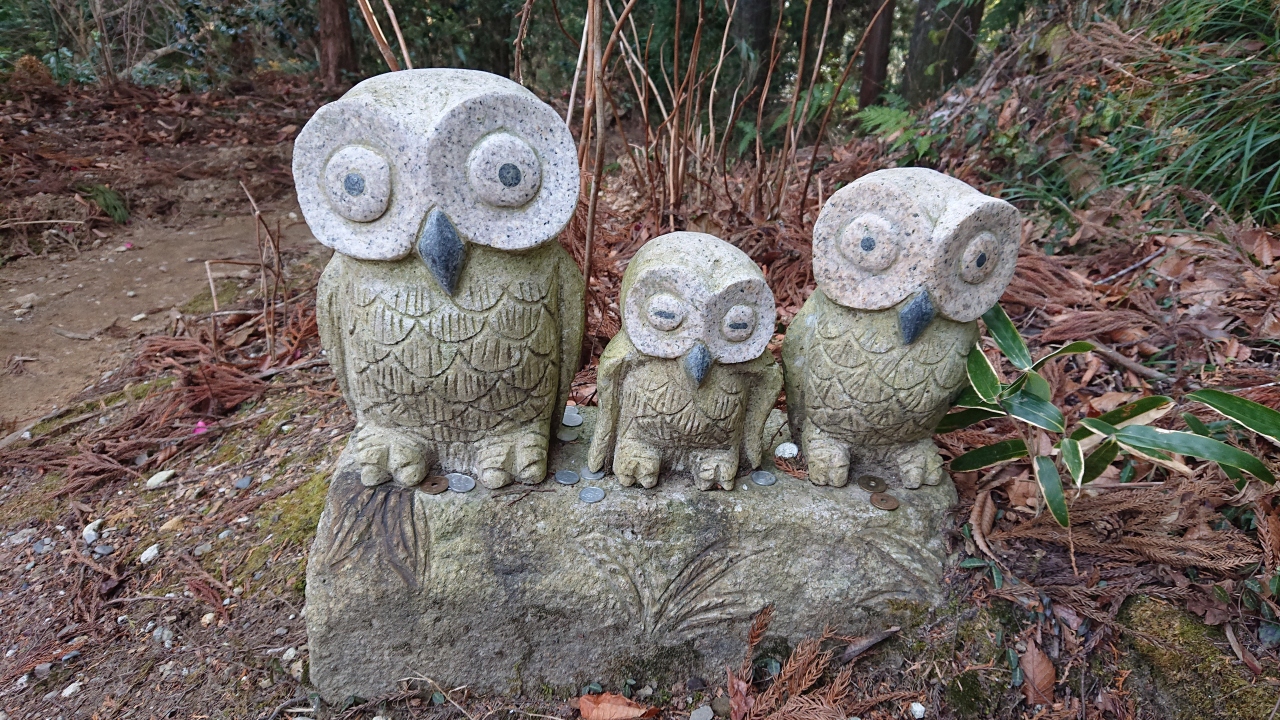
(390, 456)
(493, 461)
(828, 460)
(919, 464)
(715, 468)
(531, 457)
(637, 462)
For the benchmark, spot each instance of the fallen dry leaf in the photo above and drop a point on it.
(1108, 401)
(612, 706)
(1038, 676)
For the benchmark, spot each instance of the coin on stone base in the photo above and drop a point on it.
(461, 483)
(884, 501)
(871, 483)
(434, 485)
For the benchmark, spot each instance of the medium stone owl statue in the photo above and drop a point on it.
(450, 316)
(688, 382)
(905, 261)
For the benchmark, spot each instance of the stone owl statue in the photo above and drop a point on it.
(450, 316)
(687, 383)
(905, 261)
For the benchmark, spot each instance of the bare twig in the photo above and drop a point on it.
(379, 37)
(1116, 358)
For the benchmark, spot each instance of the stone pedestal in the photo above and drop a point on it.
(514, 592)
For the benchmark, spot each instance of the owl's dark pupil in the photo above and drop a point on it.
(665, 314)
(353, 183)
(868, 244)
(982, 259)
(738, 326)
(509, 175)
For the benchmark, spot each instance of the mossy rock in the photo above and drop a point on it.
(1191, 674)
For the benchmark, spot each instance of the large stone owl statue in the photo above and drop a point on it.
(905, 260)
(688, 382)
(451, 318)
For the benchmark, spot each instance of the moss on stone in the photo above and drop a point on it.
(967, 696)
(661, 667)
(1189, 674)
(203, 302)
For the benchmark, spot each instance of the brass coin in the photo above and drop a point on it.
(434, 485)
(884, 501)
(873, 484)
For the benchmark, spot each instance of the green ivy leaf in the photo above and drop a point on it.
(1146, 438)
(1034, 411)
(1007, 337)
(1258, 418)
(989, 455)
(1051, 488)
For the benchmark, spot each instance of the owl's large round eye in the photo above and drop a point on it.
(359, 183)
(504, 170)
(739, 323)
(980, 258)
(870, 242)
(665, 312)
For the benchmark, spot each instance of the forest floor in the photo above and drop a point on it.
(202, 440)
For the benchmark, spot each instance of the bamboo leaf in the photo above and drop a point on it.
(1094, 426)
(964, 418)
(1072, 459)
(1258, 418)
(1099, 460)
(1032, 410)
(1051, 488)
(1147, 438)
(1200, 428)
(1138, 412)
(982, 375)
(969, 399)
(1007, 337)
(989, 455)
(1069, 349)
(1038, 386)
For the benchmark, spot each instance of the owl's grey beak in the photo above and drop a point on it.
(697, 362)
(442, 250)
(915, 316)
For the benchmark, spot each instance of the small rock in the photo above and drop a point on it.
(149, 555)
(224, 534)
(786, 450)
(721, 707)
(295, 670)
(162, 635)
(139, 317)
(28, 301)
(21, 311)
(289, 655)
(43, 546)
(90, 532)
(695, 684)
(243, 483)
(131, 294)
(281, 632)
(644, 692)
(160, 478)
(22, 537)
(172, 525)
(702, 713)
(70, 656)
(202, 549)
(72, 689)
(917, 710)
(208, 618)
(104, 550)
(42, 670)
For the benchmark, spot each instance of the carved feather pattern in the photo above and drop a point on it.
(380, 525)
(863, 385)
(486, 361)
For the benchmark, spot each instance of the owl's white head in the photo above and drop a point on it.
(694, 296)
(429, 160)
(915, 233)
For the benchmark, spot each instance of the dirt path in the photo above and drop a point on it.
(87, 309)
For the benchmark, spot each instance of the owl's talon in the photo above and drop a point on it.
(493, 459)
(388, 455)
(494, 478)
(920, 464)
(531, 458)
(636, 462)
(715, 469)
(828, 459)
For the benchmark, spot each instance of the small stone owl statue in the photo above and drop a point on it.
(450, 316)
(905, 260)
(687, 384)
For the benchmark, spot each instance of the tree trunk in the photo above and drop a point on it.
(943, 47)
(491, 48)
(875, 60)
(753, 26)
(337, 49)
